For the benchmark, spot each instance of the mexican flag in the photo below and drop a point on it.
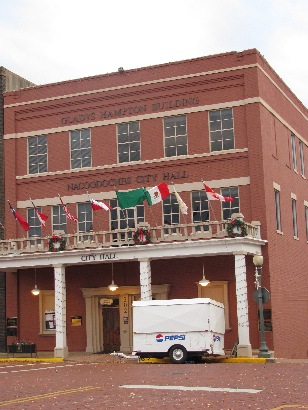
(157, 194)
(130, 199)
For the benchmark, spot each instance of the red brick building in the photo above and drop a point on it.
(226, 119)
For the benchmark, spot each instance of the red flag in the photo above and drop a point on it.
(213, 196)
(19, 218)
(43, 218)
(96, 205)
(68, 214)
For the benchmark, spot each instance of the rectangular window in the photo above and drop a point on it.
(129, 142)
(306, 219)
(301, 158)
(35, 225)
(277, 210)
(221, 130)
(294, 218)
(80, 148)
(58, 218)
(229, 208)
(37, 151)
(85, 217)
(293, 150)
(175, 136)
(171, 211)
(125, 218)
(200, 209)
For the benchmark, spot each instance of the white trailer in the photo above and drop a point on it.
(178, 328)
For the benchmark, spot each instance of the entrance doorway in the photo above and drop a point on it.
(111, 327)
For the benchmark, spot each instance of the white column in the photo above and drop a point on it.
(244, 346)
(61, 349)
(145, 279)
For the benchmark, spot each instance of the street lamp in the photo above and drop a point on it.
(258, 262)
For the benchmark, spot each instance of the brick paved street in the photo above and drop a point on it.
(109, 382)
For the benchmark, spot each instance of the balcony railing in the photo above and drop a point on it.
(124, 237)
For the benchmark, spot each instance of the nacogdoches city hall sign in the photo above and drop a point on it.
(117, 182)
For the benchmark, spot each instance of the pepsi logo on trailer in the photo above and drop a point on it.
(161, 338)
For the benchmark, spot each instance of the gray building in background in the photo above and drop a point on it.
(8, 82)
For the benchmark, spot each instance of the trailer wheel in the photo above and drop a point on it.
(178, 354)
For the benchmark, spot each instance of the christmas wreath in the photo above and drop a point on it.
(56, 243)
(142, 236)
(236, 223)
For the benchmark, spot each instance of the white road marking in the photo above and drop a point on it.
(192, 388)
(40, 368)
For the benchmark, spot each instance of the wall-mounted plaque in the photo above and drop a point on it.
(76, 320)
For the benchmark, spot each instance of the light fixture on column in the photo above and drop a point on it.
(112, 286)
(36, 290)
(203, 281)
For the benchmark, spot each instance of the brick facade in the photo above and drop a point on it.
(265, 113)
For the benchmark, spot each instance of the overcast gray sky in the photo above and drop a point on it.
(47, 41)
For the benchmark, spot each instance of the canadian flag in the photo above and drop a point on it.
(213, 196)
(96, 205)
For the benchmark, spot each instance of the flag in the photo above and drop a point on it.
(19, 218)
(213, 196)
(130, 199)
(96, 205)
(68, 214)
(157, 194)
(43, 218)
(182, 205)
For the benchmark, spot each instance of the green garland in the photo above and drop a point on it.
(56, 239)
(238, 223)
(142, 236)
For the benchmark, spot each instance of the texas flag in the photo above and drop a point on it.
(96, 205)
(213, 196)
(157, 194)
(19, 218)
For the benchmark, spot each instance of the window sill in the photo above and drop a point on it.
(279, 232)
(296, 238)
(47, 334)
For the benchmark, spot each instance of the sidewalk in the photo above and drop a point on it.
(83, 357)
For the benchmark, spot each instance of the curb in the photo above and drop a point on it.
(215, 360)
(32, 359)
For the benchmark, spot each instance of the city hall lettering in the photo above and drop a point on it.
(101, 257)
(150, 179)
(124, 111)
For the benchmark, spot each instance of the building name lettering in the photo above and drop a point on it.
(116, 183)
(101, 257)
(133, 110)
